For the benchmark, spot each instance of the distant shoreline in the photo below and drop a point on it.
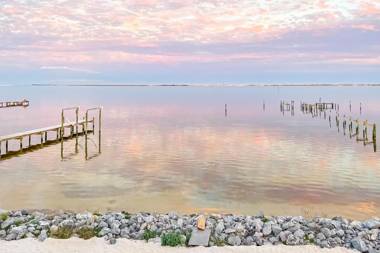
(208, 85)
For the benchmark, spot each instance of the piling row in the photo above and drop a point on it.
(23, 103)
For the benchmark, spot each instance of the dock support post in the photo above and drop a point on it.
(30, 140)
(76, 129)
(357, 132)
(62, 131)
(6, 146)
(374, 133)
(93, 125)
(21, 144)
(100, 129)
(85, 134)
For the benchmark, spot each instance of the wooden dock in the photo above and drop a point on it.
(81, 127)
(23, 103)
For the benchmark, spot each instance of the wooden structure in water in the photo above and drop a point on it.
(23, 103)
(287, 107)
(76, 128)
(314, 108)
(43, 134)
(363, 131)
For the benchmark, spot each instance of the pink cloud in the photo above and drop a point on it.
(51, 33)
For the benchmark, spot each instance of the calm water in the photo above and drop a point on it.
(173, 148)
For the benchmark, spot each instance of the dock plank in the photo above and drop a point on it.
(40, 130)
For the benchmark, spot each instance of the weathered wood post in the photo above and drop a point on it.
(357, 131)
(85, 134)
(93, 125)
(21, 144)
(61, 132)
(30, 140)
(374, 133)
(76, 128)
(100, 129)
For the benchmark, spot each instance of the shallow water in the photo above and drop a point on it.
(174, 148)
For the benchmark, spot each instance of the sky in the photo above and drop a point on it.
(189, 41)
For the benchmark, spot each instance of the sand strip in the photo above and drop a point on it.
(99, 245)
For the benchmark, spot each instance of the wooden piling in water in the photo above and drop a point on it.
(374, 133)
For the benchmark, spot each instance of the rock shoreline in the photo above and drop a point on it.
(173, 229)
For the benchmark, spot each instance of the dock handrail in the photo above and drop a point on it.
(99, 109)
(62, 132)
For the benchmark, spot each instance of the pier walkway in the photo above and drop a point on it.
(80, 129)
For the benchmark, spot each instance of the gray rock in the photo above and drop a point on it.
(124, 233)
(299, 234)
(340, 233)
(20, 231)
(284, 236)
(7, 223)
(273, 240)
(230, 230)
(10, 237)
(359, 245)
(239, 228)
(2, 234)
(69, 223)
(219, 228)
(292, 240)
(257, 224)
(267, 229)
(43, 236)
(248, 241)
(103, 224)
(276, 229)
(115, 227)
(44, 224)
(326, 232)
(234, 240)
(53, 229)
(104, 232)
(324, 244)
(356, 225)
(321, 236)
(372, 224)
(180, 222)
(374, 234)
(199, 237)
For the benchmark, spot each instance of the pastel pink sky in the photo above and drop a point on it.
(189, 41)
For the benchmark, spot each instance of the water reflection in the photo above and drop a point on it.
(174, 149)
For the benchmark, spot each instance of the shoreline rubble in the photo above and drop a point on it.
(175, 229)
